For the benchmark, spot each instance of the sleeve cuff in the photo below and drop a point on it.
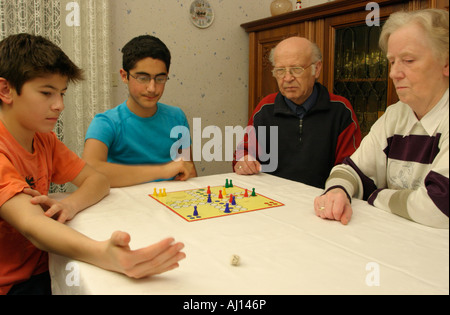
(341, 187)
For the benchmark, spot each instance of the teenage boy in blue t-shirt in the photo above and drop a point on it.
(132, 143)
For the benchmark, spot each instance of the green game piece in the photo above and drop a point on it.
(226, 183)
(253, 193)
(231, 183)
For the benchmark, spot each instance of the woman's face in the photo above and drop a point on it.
(420, 79)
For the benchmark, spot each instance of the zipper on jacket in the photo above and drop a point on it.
(301, 129)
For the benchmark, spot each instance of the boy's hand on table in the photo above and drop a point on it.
(181, 170)
(53, 208)
(152, 260)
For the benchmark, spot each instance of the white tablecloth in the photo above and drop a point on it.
(284, 250)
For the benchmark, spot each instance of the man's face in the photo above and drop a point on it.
(297, 89)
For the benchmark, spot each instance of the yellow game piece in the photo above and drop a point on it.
(155, 193)
(224, 192)
(160, 193)
(164, 193)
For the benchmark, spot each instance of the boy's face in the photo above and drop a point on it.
(144, 96)
(40, 103)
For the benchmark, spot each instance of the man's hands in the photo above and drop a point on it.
(247, 166)
(334, 205)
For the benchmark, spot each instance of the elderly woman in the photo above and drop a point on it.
(402, 165)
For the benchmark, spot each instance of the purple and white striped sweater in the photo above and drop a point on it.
(402, 165)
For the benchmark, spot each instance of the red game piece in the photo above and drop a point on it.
(220, 194)
(246, 193)
(209, 190)
(231, 198)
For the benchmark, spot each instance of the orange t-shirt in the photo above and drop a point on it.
(51, 161)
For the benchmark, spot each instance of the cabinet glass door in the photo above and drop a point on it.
(361, 72)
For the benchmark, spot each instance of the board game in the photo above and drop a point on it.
(213, 202)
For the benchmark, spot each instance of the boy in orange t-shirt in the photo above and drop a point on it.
(34, 74)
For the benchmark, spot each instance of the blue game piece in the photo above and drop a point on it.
(227, 208)
(233, 202)
(195, 211)
(209, 198)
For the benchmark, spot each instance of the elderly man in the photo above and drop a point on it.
(313, 129)
(402, 164)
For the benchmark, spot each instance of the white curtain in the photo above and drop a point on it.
(81, 28)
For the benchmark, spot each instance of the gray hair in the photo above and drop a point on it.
(433, 21)
(316, 55)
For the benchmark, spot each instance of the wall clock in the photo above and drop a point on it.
(202, 14)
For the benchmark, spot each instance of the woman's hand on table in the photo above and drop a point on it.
(334, 205)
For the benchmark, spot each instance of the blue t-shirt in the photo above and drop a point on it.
(135, 140)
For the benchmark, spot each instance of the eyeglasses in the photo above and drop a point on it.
(294, 71)
(145, 79)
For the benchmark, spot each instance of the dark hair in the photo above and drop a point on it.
(142, 47)
(24, 57)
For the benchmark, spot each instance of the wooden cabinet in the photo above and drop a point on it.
(353, 66)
